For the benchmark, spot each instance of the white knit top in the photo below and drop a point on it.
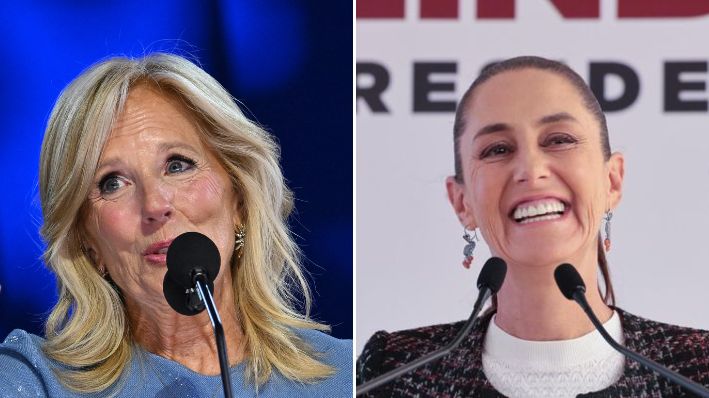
(565, 368)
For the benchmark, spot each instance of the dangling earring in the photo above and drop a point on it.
(102, 271)
(607, 240)
(239, 240)
(469, 247)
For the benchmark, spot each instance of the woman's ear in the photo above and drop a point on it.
(94, 257)
(238, 209)
(616, 173)
(456, 196)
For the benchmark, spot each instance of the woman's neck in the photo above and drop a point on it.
(530, 306)
(188, 340)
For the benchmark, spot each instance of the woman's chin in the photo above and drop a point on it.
(541, 251)
(542, 238)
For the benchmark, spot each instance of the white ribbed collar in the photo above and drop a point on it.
(550, 355)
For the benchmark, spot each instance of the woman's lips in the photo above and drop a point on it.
(157, 252)
(157, 259)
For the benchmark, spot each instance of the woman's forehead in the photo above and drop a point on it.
(148, 107)
(150, 120)
(524, 96)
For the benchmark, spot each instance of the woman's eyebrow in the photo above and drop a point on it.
(557, 117)
(167, 146)
(548, 119)
(108, 163)
(163, 147)
(492, 128)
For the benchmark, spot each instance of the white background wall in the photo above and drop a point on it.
(408, 241)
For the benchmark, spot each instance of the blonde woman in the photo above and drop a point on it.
(137, 152)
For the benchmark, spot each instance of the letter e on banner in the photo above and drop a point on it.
(423, 86)
(674, 87)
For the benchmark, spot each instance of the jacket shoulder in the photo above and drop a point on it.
(335, 352)
(385, 351)
(23, 366)
(682, 349)
(655, 334)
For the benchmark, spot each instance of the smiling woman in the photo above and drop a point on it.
(535, 174)
(137, 152)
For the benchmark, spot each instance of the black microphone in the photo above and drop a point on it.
(572, 287)
(489, 282)
(193, 263)
(189, 256)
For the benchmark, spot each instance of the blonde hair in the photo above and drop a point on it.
(88, 330)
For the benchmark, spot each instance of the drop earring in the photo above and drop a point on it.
(469, 247)
(239, 240)
(607, 240)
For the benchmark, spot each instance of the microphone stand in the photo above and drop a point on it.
(579, 296)
(206, 296)
(432, 356)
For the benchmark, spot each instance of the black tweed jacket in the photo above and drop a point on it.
(460, 374)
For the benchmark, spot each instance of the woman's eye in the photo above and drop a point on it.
(110, 184)
(495, 150)
(179, 164)
(560, 139)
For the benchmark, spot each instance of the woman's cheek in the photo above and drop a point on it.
(205, 195)
(212, 212)
(486, 195)
(110, 221)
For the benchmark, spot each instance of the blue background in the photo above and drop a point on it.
(288, 61)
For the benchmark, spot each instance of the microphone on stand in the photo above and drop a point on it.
(193, 263)
(573, 288)
(489, 282)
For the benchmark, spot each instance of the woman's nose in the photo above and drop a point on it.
(530, 165)
(157, 203)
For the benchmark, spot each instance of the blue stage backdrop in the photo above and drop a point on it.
(288, 61)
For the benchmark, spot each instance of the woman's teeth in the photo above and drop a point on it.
(541, 218)
(548, 210)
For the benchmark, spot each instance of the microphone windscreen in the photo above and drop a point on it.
(493, 274)
(188, 253)
(568, 280)
(184, 301)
